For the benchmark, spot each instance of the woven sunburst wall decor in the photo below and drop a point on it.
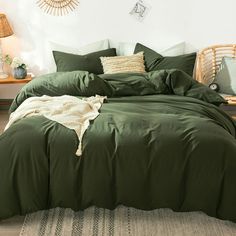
(58, 7)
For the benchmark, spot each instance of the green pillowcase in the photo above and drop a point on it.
(155, 61)
(90, 62)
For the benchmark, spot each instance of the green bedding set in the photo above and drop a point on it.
(160, 141)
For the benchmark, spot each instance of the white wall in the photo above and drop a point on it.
(210, 22)
(199, 23)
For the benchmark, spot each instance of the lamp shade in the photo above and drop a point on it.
(5, 28)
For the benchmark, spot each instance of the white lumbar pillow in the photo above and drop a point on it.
(89, 48)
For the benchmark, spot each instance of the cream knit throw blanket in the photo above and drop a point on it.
(72, 112)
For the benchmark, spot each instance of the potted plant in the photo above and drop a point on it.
(19, 68)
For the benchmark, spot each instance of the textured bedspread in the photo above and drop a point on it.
(146, 150)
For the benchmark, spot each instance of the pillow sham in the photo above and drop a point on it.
(175, 50)
(89, 62)
(89, 48)
(123, 64)
(155, 61)
(226, 77)
(127, 48)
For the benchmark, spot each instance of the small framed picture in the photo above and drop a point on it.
(140, 10)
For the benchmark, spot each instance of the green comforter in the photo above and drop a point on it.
(159, 142)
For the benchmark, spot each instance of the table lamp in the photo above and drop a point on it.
(5, 31)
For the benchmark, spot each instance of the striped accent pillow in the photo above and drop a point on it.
(122, 64)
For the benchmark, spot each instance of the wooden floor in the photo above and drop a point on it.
(12, 226)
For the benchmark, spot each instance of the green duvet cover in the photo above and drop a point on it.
(160, 141)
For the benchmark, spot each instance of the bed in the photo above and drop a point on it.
(160, 141)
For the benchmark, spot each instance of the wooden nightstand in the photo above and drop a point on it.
(5, 103)
(11, 80)
(230, 109)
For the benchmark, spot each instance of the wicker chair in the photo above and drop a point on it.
(208, 64)
(209, 60)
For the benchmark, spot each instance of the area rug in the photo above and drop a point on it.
(123, 221)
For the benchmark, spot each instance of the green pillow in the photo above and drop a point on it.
(90, 62)
(155, 61)
(226, 77)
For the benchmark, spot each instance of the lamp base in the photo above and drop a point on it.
(3, 75)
